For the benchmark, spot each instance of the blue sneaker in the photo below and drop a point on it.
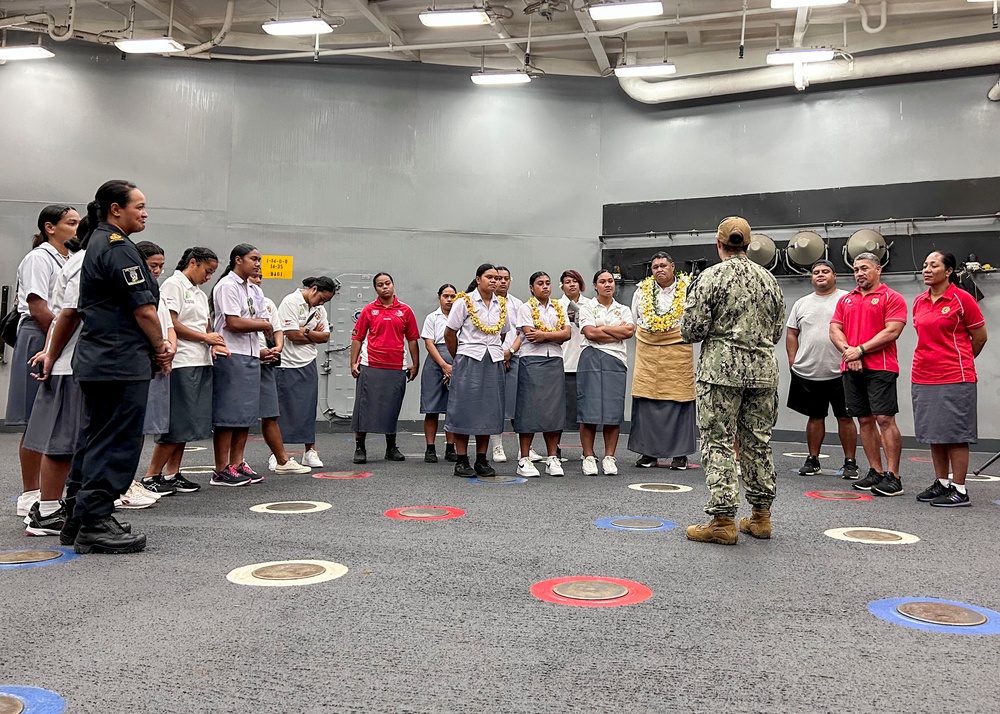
(229, 477)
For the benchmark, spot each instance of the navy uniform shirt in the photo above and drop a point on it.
(114, 282)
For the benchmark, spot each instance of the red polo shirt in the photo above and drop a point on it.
(944, 345)
(387, 329)
(864, 316)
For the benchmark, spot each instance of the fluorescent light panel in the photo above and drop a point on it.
(24, 52)
(454, 18)
(787, 4)
(150, 45)
(646, 70)
(625, 10)
(495, 78)
(301, 27)
(794, 56)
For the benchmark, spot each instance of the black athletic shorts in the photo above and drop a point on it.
(870, 392)
(814, 397)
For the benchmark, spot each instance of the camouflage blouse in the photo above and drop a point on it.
(737, 309)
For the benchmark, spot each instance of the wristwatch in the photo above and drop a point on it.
(306, 331)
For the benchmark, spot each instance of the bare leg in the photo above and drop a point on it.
(871, 442)
(52, 477)
(161, 454)
(238, 445)
(430, 428)
(958, 454)
(482, 443)
(449, 438)
(940, 456)
(552, 442)
(462, 444)
(611, 434)
(588, 435)
(848, 433)
(173, 465)
(892, 441)
(525, 442)
(272, 437)
(815, 433)
(222, 440)
(31, 462)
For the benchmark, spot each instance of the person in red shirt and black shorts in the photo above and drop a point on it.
(951, 332)
(865, 326)
(386, 328)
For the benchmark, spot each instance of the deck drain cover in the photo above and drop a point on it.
(494, 479)
(19, 557)
(291, 506)
(940, 613)
(841, 495)
(867, 534)
(10, 705)
(288, 571)
(636, 523)
(424, 512)
(662, 487)
(590, 590)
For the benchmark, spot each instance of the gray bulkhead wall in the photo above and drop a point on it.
(414, 170)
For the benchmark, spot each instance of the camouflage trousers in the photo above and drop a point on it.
(728, 415)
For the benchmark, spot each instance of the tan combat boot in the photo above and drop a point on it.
(758, 524)
(721, 529)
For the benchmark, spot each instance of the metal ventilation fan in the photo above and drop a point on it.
(762, 251)
(866, 241)
(804, 249)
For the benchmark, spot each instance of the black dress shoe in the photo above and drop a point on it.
(71, 527)
(394, 454)
(483, 468)
(646, 462)
(360, 455)
(107, 536)
(679, 463)
(462, 467)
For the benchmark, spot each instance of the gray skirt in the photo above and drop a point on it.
(476, 397)
(378, 397)
(298, 394)
(158, 406)
(541, 396)
(190, 405)
(572, 421)
(945, 413)
(269, 408)
(57, 419)
(23, 387)
(600, 388)
(662, 428)
(433, 390)
(236, 392)
(510, 388)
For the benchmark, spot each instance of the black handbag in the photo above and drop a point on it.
(8, 326)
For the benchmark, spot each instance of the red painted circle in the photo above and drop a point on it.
(341, 475)
(823, 496)
(921, 459)
(452, 513)
(637, 592)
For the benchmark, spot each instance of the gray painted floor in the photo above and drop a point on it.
(438, 617)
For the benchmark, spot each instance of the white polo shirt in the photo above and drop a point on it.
(66, 294)
(240, 298)
(513, 309)
(472, 342)
(548, 316)
(574, 345)
(296, 314)
(594, 314)
(190, 303)
(434, 325)
(36, 275)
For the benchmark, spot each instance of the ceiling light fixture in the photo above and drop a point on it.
(498, 78)
(297, 28)
(625, 10)
(24, 52)
(800, 54)
(455, 18)
(792, 4)
(149, 45)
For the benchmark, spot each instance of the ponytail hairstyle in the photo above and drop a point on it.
(479, 273)
(535, 276)
(445, 287)
(82, 236)
(949, 262)
(238, 251)
(149, 249)
(198, 254)
(50, 214)
(601, 272)
(114, 191)
(325, 284)
(379, 275)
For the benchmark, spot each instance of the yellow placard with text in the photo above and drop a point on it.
(276, 266)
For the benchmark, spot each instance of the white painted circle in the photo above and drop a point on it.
(197, 469)
(195, 448)
(980, 477)
(803, 455)
(839, 534)
(678, 488)
(244, 574)
(317, 506)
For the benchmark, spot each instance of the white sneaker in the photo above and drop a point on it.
(311, 459)
(133, 498)
(526, 468)
(26, 500)
(272, 463)
(553, 466)
(610, 465)
(499, 456)
(290, 467)
(589, 465)
(535, 456)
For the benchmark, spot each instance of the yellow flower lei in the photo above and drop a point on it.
(536, 317)
(648, 305)
(494, 329)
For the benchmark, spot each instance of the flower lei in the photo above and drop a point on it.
(648, 309)
(536, 317)
(492, 330)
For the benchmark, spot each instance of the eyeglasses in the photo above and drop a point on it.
(253, 310)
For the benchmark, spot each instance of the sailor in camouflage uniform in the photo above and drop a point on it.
(737, 310)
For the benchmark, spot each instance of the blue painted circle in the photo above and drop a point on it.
(36, 700)
(606, 523)
(517, 479)
(67, 555)
(886, 610)
(997, 502)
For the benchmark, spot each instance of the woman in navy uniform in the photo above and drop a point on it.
(120, 346)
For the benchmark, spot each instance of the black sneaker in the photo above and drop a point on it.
(39, 525)
(678, 463)
(810, 467)
(849, 471)
(107, 536)
(394, 454)
(182, 485)
(157, 484)
(483, 468)
(229, 477)
(450, 454)
(890, 485)
(871, 479)
(430, 456)
(646, 462)
(360, 455)
(932, 492)
(952, 499)
(462, 467)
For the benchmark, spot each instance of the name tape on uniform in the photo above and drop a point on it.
(277, 266)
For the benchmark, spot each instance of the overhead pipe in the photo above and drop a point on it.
(934, 59)
(220, 36)
(864, 18)
(994, 93)
(47, 19)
